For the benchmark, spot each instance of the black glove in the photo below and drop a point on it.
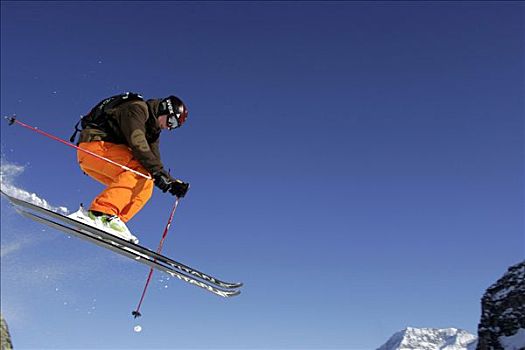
(165, 182)
(179, 188)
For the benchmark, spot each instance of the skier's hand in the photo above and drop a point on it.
(179, 188)
(163, 180)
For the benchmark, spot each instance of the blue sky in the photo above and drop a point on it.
(358, 165)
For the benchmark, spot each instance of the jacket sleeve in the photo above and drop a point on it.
(155, 149)
(132, 120)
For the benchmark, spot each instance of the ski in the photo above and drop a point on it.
(82, 227)
(129, 253)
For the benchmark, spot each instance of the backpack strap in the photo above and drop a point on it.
(74, 136)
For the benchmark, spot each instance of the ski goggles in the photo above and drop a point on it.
(177, 119)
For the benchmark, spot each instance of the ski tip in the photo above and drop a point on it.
(136, 314)
(233, 293)
(232, 285)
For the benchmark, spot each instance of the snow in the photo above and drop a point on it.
(430, 339)
(514, 342)
(514, 277)
(502, 294)
(508, 312)
(8, 172)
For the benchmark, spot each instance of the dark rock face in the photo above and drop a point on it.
(502, 322)
(6, 338)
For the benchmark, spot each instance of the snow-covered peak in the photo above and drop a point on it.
(430, 339)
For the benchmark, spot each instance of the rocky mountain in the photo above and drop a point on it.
(502, 325)
(430, 339)
(5, 337)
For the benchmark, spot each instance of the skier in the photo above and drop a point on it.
(126, 130)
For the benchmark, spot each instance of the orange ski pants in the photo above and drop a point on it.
(126, 193)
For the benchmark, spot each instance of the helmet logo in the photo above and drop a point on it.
(170, 107)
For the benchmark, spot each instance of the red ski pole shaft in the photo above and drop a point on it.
(13, 120)
(136, 313)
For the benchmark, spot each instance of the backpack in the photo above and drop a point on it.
(97, 118)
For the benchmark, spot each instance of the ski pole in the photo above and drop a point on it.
(136, 312)
(13, 120)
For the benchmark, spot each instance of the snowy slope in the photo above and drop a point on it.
(430, 339)
(513, 342)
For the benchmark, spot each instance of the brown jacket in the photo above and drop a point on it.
(135, 125)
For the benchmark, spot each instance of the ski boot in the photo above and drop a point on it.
(105, 222)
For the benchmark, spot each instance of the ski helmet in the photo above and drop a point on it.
(175, 109)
